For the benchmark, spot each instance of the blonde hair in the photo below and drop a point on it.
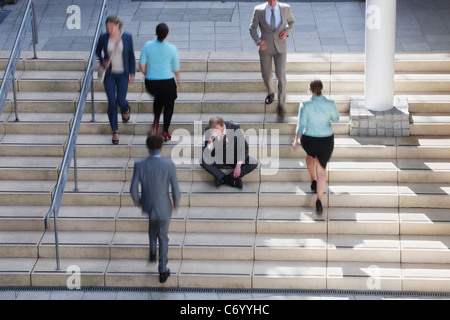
(115, 20)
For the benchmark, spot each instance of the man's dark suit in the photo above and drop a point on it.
(227, 152)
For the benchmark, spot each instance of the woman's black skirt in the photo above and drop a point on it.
(320, 148)
(162, 88)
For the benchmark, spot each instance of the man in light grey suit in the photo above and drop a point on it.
(156, 175)
(275, 22)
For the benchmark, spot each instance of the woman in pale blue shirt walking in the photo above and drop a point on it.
(316, 136)
(159, 63)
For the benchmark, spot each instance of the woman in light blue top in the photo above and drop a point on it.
(316, 136)
(159, 63)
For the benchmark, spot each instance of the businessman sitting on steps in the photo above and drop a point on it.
(226, 147)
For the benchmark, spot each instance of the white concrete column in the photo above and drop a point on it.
(380, 54)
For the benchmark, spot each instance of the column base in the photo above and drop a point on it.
(391, 123)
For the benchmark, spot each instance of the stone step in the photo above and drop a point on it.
(365, 276)
(424, 195)
(19, 244)
(264, 193)
(209, 102)
(96, 145)
(236, 82)
(241, 61)
(263, 220)
(424, 221)
(140, 123)
(427, 103)
(364, 248)
(22, 218)
(423, 170)
(328, 61)
(43, 101)
(410, 195)
(423, 147)
(91, 271)
(16, 271)
(77, 244)
(231, 246)
(425, 277)
(229, 274)
(430, 124)
(223, 220)
(363, 221)
(425, 249)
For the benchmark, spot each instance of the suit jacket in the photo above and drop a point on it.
(155, 175)
(236, 149)
(129, 59)
(272, 37)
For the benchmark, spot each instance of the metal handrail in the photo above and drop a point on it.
(8, 78)
(70, 151)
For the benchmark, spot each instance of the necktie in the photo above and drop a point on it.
(272, 20)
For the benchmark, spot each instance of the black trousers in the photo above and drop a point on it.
(165, 94)
(215, 169)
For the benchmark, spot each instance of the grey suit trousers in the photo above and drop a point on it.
(158, 232)
(279, 59)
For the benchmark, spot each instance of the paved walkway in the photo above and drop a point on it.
(223, 26)
(186, 294)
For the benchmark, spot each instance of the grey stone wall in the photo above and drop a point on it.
(391, 123)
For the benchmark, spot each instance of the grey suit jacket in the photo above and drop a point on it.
(272, 37)
(155, 175)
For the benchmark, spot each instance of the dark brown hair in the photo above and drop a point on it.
(154, 142)
(316, 87)
(162, 30)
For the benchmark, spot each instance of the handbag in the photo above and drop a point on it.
(102, 69)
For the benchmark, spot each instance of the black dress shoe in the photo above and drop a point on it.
(152, 259)
(219, 182)
(164, 276)
(269, 98)
(314, 186)
(319, 208)
(229, 180)
(238, 183)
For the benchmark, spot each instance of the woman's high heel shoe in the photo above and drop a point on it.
(314, 186)
(319, 208)
(125, 120)
(115, 141)
(166, 136)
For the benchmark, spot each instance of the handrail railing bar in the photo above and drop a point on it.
(70, 152)
(8, 78)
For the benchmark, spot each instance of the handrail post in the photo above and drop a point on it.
(15, 95)
(34, 29)
(55, 221)
(75, 168)
(92, 97)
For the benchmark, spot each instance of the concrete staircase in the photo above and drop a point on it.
(386, 222)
